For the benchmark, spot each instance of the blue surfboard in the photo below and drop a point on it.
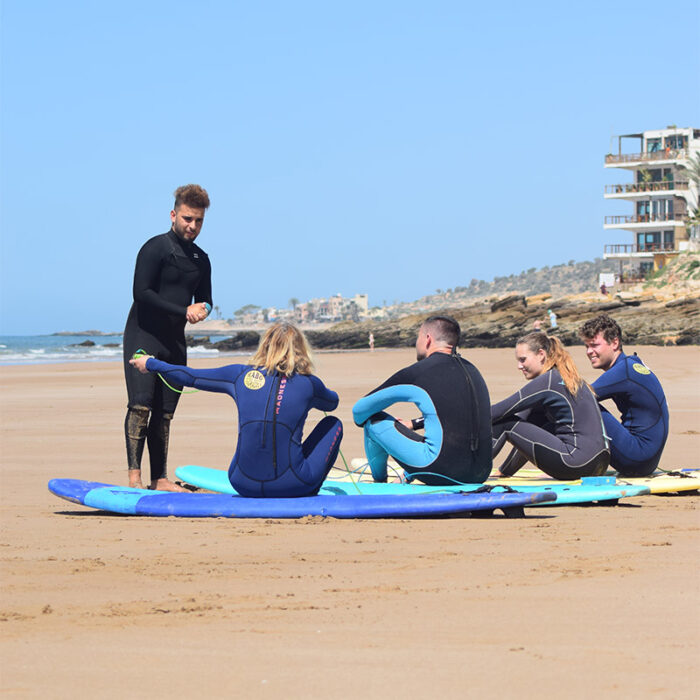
(122, 499)
(587, 490)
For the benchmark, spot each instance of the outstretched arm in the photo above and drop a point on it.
(220, 379)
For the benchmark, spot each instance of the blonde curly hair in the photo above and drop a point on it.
(283, 349)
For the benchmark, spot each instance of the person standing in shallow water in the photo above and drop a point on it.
(172, 285)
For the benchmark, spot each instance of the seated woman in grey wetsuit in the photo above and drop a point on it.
(554, 420)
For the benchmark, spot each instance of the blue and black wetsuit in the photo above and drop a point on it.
(169, 273)
(637, 442)
(560, 433)
(271, 460)
(454, 401)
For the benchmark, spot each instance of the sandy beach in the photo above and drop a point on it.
(569, 601)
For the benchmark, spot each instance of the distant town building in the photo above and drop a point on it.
(331, 310)
(334, 309)
(662, 194)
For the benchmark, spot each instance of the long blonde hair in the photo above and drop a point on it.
(557, 356)
(283, 349)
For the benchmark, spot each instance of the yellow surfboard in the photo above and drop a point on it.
(659, 482)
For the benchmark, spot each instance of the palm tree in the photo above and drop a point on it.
(293, 302)
(692, 171)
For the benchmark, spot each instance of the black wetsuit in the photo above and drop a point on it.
(560, 433)
(169, 273)
(454, 401)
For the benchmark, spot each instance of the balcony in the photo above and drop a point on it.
(641, 187)
(666, 154)
(641, 219)
(623, 249)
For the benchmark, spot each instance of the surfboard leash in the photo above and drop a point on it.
(141, 353)
(347, 468)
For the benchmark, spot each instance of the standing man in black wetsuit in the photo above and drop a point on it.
(455, 411)
(170, 272)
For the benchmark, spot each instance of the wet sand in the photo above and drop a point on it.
(570, 601)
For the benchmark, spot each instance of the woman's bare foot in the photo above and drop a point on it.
(166, 485)
(135, 479)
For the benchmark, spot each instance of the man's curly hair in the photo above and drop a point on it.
(601, 324)
(191, 196)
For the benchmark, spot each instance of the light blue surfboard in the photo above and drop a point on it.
(587, 490)
(122, 499)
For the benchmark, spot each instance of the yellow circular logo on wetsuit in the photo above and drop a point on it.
(254, 380)
(642, 369)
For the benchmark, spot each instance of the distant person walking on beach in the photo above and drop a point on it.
(553, 421)
(371, 341)
(273, 394)
(454, 403)
(638, 440)
(552, 320)
(171, 271)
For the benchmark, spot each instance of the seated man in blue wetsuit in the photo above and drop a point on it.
(636, 443)
(455, 414)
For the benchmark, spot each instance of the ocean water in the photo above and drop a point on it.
(41, 349)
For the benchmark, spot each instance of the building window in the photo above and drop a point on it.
(653, 145)
(677, 141)
(662, 209)
(668, 240)
(648, 241)
(643, 210)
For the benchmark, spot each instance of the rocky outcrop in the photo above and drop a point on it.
(645, 320)
(494, 323)
(241, 340)
(498, 323)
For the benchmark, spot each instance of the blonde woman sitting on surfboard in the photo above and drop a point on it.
(554, 420)
(274, 394)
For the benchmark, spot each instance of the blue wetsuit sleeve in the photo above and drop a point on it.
(530, 396)
(367, 406)
(220, 379)
(370, 404)
(385, 396)
(324, 399)
(611, 382)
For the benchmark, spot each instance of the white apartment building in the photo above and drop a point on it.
(661, 194)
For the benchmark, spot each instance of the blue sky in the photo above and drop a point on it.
(390, 148)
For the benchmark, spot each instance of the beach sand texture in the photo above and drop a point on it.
(568, 602)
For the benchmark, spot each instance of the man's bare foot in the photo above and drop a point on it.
(135, 479)
(166, 485)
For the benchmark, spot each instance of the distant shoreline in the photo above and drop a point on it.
(85, 333)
